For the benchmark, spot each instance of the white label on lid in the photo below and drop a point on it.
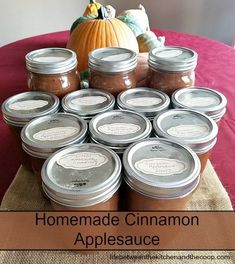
(28, 105)
(55, 133)
(119, 129)
(82, 160)
(201, 101)
(89, 100)
(144, 101)
(169, 53)
(49, 59)
(188, 131)
(117, 57)
(161, 166)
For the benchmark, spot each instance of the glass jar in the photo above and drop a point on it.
(44, 135)
(82, 177)
(159, 174)
(171, 68)
(87, 103)
(143, 100)
(52, 70)
(112, 69)
(202, 99)
(21, 108)
(118, 129)
(190, 128)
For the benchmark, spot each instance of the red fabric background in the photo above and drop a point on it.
(216, 69)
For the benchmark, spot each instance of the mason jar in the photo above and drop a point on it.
(52, 70)
(146, 101)
(83, 177)
(112, 69)
(159, 174)
(190, 128)
(87, 103)
(118, 129)
(171, 68)
(202, 99)
(44, 135)
(21, 108)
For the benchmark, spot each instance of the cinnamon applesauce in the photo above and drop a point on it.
(159, 174)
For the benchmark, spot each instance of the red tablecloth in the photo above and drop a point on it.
(216, 69)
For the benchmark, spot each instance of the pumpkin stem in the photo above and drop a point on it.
(92, 1)
(102, 13)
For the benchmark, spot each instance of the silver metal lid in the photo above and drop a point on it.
(112, 59)
(44, 135)
(118, 129)
(202, 99)
(88, 102)
(143, 100)
(172, 58)
(161, 168)
(81, 175)
(51, 60)
(21, 108)
(188, 127)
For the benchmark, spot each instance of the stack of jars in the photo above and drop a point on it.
(75, 145)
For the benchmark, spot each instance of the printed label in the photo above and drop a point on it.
(202, 101)
(119, 129)
(188, 131)
(82, 160)
(55, 133)
(169, 53)
(28, 105)
(89, 100)
(144, 101)
(160, 166)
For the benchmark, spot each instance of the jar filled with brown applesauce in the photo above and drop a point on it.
(44, 135)
(159, 174)
(87, 103)
(52, 70)
(171, 68)
(190, 128)
(112, 69)
(21, 108)
(202, 99)
(143, 100)
(118, 129)
(82, 177)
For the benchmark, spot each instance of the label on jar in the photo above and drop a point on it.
(144, 101)
(169, 53)
(89, 100)
(202, 101)
(117, 57)
(49, 59)
(188, 131)
(55, 133)
(161, 166)
(82, 160)
(119, 129)
(28, 105)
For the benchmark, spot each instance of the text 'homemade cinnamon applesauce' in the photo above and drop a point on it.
(21, 108)
(143, 100)
(159, 174)
(88, 102)
(52, 70)
(44, 135)
(202, 99)
(82, 177)
(112, 69)
(118, 129)
(171, 68)
(190, 128)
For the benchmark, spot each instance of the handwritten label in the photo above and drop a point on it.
(89, 100)
(119, 129)
(144, 101)
(188, 131)
(28, 105)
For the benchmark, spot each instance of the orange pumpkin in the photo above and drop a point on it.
(98, 33)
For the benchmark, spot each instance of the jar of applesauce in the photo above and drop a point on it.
(112, 69)
(52, 70)
(171, 68)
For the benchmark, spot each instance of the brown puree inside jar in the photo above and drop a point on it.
(168, 82)
(113, 82)
(204, 158)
